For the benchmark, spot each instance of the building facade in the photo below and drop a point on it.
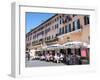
(59, 29)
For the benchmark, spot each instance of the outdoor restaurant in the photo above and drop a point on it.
(63, 38)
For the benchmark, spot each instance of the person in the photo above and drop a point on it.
(56, 58)
(79, 59)
(75, 59)
(51, 57)
(47, 57)
(28, 56)
(66, 59)
(69, 59)
(61, 57)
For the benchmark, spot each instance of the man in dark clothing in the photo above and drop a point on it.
(28, 56)
(75, 59)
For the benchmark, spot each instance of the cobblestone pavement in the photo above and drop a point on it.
(39, 63)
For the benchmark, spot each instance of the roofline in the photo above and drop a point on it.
(39, 26)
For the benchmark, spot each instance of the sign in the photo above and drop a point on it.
(83, 53)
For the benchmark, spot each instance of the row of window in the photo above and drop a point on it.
(68, 18)
(47, 38)
(50, 37)
(51, 22)
(46, 31)
(67, 28)
(76, 25)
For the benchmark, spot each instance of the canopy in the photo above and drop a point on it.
(76, 44)
(52, 47)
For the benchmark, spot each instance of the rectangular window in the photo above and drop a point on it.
(73, 27)
(57, 25)
(66, 29)
(78, 22)
(60, 21)
(69, 28)
(47, 30)
(76, 25)
(62, 30)
(28, 38)
(68, 18)
(86, 20)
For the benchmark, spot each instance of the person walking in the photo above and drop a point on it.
(28, 56)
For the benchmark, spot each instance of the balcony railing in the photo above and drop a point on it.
(52, 40)
(37, 42)
(41, 41)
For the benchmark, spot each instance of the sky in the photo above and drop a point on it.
(33, 19)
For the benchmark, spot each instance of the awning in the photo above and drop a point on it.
(52, 47)
(76, 44)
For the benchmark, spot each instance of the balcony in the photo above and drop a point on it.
(37, 42)
(52, 40)
(34, 44)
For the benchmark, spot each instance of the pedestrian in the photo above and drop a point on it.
(69, 59)
(28, 56)
(61, 57)
(75, 59)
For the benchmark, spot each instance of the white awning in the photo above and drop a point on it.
(52, 47)
(76, 44)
